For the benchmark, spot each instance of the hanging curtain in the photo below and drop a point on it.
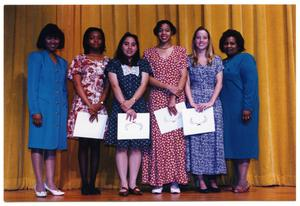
(270, 35)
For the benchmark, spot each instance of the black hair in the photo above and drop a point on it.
(50, 30)
(121, 56)
(161, 22)
(238, 38)
(86, 36)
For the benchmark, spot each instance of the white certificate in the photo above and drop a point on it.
(198, 122)
(167, 122)
(86, 129)
(138, 128)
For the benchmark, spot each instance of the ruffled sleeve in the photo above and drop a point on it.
(75, 67)
(219, 64)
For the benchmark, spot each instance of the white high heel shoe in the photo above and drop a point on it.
(54, 192)
(40, 194)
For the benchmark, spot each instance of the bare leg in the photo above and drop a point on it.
(50, 158)
(122, 166)
(213, 181)
(135, 158)
(243, 166)
(202, 184)
(37, 164)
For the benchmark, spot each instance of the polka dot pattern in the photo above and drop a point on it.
(165, 161)
(128, 85)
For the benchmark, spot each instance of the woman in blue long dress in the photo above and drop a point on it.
(205, 152)
(128, 75)
(240, 105)
(47, 101)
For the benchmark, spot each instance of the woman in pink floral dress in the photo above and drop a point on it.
(87, 73)
(165, 162)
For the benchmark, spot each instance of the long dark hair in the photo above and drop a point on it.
(86, 36)
(121, 56)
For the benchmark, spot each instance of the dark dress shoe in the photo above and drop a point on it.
(135, 191)
(124, 193)
(203, 190)
(94, 191)
(85, 190)
(214, 189)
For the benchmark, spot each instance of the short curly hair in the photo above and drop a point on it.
(161, 22)
(238, 38)
(50, 30)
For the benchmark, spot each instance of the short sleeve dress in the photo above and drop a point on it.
(165, 162)
(93, 79)
(205, 152)
(129, 81)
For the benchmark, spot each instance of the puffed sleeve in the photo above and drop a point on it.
(75, 67)
(145, 66)
(112, 66)
(34, 62)
(250, 82)
(219, 64)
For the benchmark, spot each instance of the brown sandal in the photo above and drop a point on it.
(135, 191)
(125, 192)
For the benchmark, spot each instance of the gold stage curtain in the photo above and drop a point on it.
(270, 35)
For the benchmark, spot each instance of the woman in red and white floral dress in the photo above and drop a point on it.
(165, 162)
(87, 73)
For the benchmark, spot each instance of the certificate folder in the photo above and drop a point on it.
(138, 128)
(167, 122)
(86, 129)
(198, 122)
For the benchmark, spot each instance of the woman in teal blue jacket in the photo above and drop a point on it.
(48, 107)
(240, 102)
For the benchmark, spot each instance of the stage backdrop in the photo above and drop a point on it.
(270, 35)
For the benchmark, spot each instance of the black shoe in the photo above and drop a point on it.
(85, 190)
(95, 191)
(135, 191)
(124, 192)
(214, 189)
(203, 190)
